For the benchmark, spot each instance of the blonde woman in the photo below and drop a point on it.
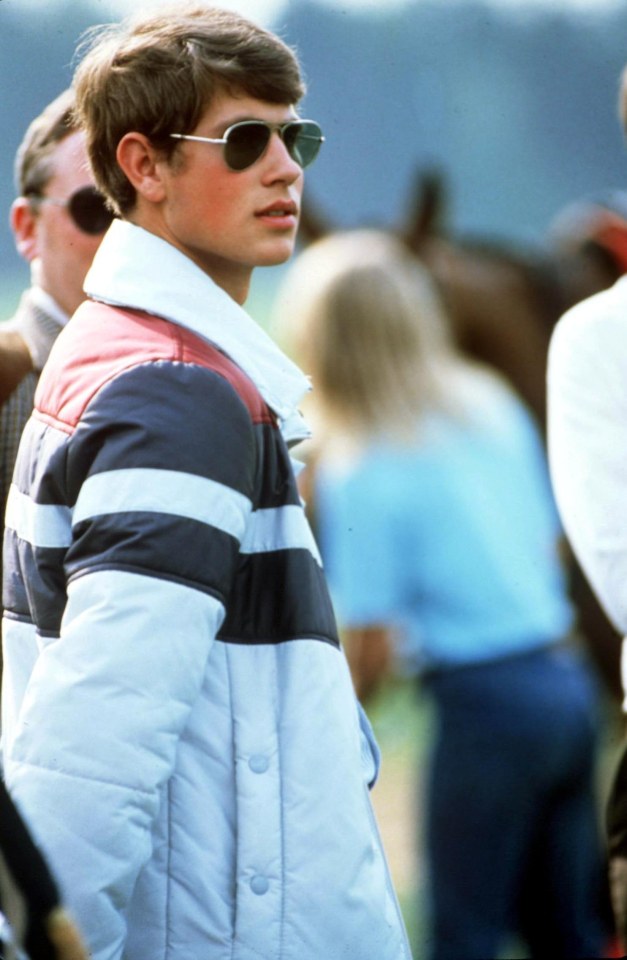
(440, 540)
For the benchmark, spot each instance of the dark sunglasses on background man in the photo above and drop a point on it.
(246, 142)
(86, 207)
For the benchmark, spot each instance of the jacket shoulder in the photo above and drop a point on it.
(101, 342)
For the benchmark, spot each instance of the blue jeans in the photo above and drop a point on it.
(512, 831)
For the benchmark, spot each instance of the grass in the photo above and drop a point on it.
(402, 721)
(9, 299)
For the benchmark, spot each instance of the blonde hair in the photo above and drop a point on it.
(157, 73)
(362, 316)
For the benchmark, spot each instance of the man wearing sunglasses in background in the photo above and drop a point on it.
(179, 721)
(58, 220)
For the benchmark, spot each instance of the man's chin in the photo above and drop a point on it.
(278, 254)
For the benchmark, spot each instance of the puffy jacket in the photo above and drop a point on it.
(179, 723)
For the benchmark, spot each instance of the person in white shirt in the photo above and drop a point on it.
(587, 436)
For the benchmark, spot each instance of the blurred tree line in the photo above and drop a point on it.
(517, 106)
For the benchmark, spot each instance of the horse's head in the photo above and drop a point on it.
(503, 299)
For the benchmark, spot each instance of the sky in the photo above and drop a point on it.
(266, 11)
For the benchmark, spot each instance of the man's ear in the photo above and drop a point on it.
(139, 160)
(23, 222)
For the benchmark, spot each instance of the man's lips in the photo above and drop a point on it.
(279, 209)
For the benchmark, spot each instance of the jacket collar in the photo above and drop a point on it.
(39, 323)
(135, 268)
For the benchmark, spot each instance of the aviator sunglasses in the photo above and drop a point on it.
(246, 142)
(86, 207)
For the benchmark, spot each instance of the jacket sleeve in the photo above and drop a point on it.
(161, 497)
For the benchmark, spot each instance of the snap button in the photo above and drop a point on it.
(259, 885)
(258, 763)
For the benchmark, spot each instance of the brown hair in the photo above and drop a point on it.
(157, 74)
(34, 161)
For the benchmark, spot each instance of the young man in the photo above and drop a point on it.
(180, 725)
(55, 186)
(588, 452)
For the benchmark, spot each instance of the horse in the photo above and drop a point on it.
(503, 301)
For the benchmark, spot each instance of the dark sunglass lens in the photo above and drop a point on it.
(303, 139)
(246, 142)
(89, 212)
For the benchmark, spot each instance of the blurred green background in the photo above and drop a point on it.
(512, 101)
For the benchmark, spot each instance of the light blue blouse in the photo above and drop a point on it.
(453, 539)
